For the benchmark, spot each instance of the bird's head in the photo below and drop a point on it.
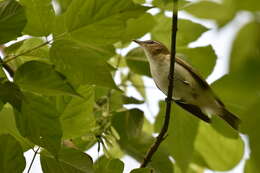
(153, 48)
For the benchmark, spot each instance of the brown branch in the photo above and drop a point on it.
(168, 100)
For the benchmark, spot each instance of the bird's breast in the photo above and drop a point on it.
(184, 83)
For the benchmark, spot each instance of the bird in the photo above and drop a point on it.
(191, 91)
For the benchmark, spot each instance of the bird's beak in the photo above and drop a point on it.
(138, 42)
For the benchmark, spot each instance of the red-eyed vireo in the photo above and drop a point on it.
(191, 91)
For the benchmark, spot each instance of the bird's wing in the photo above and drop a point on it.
(193, 72)
(198, 78)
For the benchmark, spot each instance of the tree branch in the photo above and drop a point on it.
(168, 100)
(34, 155)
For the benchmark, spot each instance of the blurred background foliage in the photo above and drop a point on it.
(65, 84)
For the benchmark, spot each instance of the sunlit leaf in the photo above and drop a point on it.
(109, 165)
(39, 121)
(12, 20)
(250, 126)
(42, 78)
(69, 160)
(182, 134)
(137, 62)
(64, 4)
(81, 64)
(11, 157)
(136, 143)
(142, 170)
(203, 59)
(138, 27)
(40, 15)
(242, 52)
(77, 113)
(219, 152)
(222, 12)
(99, 22)
(8, 126)
(162, 31)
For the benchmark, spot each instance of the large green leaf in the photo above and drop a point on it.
(64, 4)
(18, 48)
(136, 143)
(109, 165)
(11, 157)
(69, 161)
(40, 15)
(242, 52)
(77, 113)
(39, 121)
(203, 59)
(221, 12)
(181, 136)
(82, 64)
(8, 126)
(10, 92)
(42, 78)
(12, 20)
(98, 22)
(137, 61)
(220, 153)
(162, 31)
(250, 126)
(138, 27)
(251, 5)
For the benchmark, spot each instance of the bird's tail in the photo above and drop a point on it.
(230, 118)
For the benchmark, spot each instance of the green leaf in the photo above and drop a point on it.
(39, 121)
(8, 126)
(162, 31)
(99, 22)
(12, 20)
(142, 170)
(77, 113)
(138, 27)
(219, 152)
(64, 4)
(136, 143)
(69, 160)
(40, 15)
(11, 158)
(138, 83)
(242, 52)
(221, 12)
(109, 165)
(251, 5)
(39, 77)
(10, 92)
(168, 4)
(81, 64)
(250, 119)
(182, 134)
(201, 58)
(137, 61)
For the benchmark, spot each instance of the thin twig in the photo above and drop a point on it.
(168, 100)
(24, 53)
(35, 153)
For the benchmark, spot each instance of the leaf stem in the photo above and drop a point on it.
(162, 134)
